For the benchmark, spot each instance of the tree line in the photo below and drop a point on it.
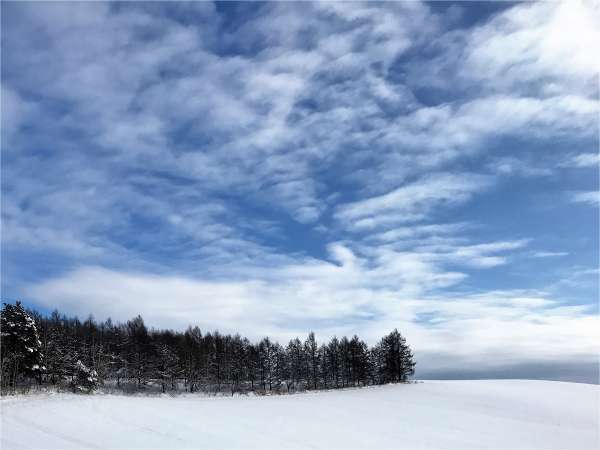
(63, 351)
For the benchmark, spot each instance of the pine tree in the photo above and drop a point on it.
(55, 354)
(358, 361)
(295, 356)
(267, 362)
(21, 353)
(85, 379)
(333, 361)
(311, 349)
(280, 366)
(395, 358)
(192, 358)
(345, 361)
(167, 365)
(139, 350)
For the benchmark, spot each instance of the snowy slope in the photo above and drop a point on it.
(457, 415)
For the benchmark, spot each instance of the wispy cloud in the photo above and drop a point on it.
(341, 299)
(583, 160)
(338, 166)
(478, 255)
(404, 233)
(411, 202)
(548, 254)
(591, 198)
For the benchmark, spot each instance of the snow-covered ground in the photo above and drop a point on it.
(457, 415)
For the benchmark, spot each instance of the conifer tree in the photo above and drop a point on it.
(167, 366)
(311, 350)
(395, 362)
(85, 379)
(21, 353)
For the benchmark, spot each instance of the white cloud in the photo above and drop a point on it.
(339, 300)
(244, 101)
(548, 42)
(548, 254)
(591, 198)
(14, 112)
(419, 231)
(478, 255)
(512, 166)
(411, 202)
(583, 160)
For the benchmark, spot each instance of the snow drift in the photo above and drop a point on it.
(430, 415)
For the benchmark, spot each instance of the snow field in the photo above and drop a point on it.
(461, 415)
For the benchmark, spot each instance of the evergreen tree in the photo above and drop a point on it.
(333, 361)
(192, 357)
(359, 361)
(21, 352)
(395, 358)
(85, 379)
(167, 366)
(267, 362)
(55, 351)
(138, 351)
(311, 350)
(295, 357)
(280, 366)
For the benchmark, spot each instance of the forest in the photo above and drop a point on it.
(64, 353)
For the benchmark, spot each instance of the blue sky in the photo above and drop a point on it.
(342, 167)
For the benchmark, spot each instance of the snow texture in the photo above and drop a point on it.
(507, 414)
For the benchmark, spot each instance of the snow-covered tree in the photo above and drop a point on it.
(167, 366)
(21, 353)
(138, 347)
(192, 357)
(267, 363)
(85, 379)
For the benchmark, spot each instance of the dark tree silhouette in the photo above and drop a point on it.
(65, 352)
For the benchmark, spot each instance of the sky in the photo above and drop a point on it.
(275, 168)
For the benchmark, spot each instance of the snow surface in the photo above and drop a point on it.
(461, 415)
